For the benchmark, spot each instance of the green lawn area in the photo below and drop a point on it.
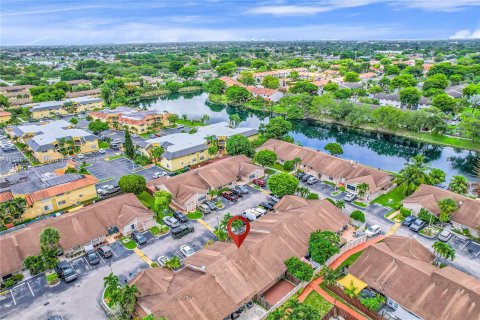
(279, 167)
(191, 123)
(159, 230)
(217, 98)
(128, 243)
(270, 171)
(195, 215)
(146, 199)
(350, 260)
(444, 140)
(360, 204)
(52, 278)
(316, 301)
(118, 156)
(396, 195)
(103, 145)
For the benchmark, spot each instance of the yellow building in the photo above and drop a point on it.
(54, 140)
(48, 109)
(5, 116)
(183, 149)
(136, 121)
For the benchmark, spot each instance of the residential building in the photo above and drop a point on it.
(137, 121)
(393, 99)
(22, 89)
(467, 216)
(46, 189)
(87, 226)
(340, 172)
(455, 91)
(401, 269)
(220, 278)
(85, 93)
(50, 141)
(70, 106)
(265, 93)
(184, 149)
(5, 116)
(191, 188)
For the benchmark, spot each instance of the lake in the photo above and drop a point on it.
(373, 149)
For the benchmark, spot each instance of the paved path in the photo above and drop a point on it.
(205, 224)
(143, 256)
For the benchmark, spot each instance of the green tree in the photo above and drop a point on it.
(49, 238)
(73, 121)
(128, 145)
(265, 158)
(413, 174)
(187, 72)
(246, 77)
(329, 276)
(237, 95)
(276, 128)
(322, 245)
(458, 184)
(4, 101)
(437, 81)
(331, 87)
(443, 250)
(362, 189)
(340, 204)
(358, 215)
(343, 94)
(173, 118)
(162, 201)
(299, 269)
(436, 176)
(334, 148)
(351, 77)
(227, 68)
(215, 86)
(97, 126)
(271, 82)
(410, 96)
(304, 87)
(444, 102)
(447, 207)
(132, 183)
(173, 263)
(404, 80)
(156, 153)
(234, 119)
(174, 66)
(282, 184)
(238, 144)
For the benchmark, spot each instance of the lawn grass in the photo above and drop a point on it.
(360, 204)
(158, 230)
(146, 199)
(103, 145)
(195, 215)
(396, 195)
(191, 123)
(279, 167)
(218, 98)
(118, 156)
(317, 302)
(350, 260)
(128, 243)
(52, 278)
(270, 171)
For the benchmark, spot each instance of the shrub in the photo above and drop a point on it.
(323, 245)
(358, 215)
(313, 196)
(154, 265)
(426, 216)
(405, 212)
(288, 165)
(301, 270)
(13, 280)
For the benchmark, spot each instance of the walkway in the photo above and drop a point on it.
(143, 256)
(205, 224)
(315, 284)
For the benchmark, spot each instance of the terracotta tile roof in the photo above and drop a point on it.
(328, 165)
(367, 75)
(15, 88)
(6, 196)
(400, 268)
(83, 93)
(220, 278)
(87, 180)
(468, 213)
(76, 228)
(5, 114)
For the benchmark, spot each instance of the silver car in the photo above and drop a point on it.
(445, 235)
(171, 222)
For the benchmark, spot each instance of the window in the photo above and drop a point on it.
(132, 227)
(202, 157)
(194, 160)
(60, 203)
(46, 208)
(252, 176)
(350, 187)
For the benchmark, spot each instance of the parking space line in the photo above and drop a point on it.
(466, 242)
(13, 297)
(89, 267)
(101, 258)
(30, 289)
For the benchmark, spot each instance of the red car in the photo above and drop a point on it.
(230, 196)
(259, 182)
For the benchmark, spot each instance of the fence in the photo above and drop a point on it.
(284, 299)
(345, 248)
(336, 313)
(354, 302)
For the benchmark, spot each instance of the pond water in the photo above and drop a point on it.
(373, 149)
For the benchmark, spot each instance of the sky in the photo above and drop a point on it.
(76, 22)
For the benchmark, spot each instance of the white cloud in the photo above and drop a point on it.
(439, 5)
(466, 34)
(290, 10)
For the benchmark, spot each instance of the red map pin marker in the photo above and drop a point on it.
(238, 238)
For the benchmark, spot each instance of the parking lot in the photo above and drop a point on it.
(6, 158)
(465, 247)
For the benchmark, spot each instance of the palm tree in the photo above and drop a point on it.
(351, 291)
(447, 207)
(111, 281)
(443, 250)
(329, 276)
(413, 174)
(129, 294)
(340, 204)
(49, 238)
(234, 120)
(296, 161)
(303, 192)
(362, 189)
(204, 118)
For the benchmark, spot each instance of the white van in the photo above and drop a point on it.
(250, 215)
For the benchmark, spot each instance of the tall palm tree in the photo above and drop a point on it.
(129, 294)
(362, 189)
(111, 281)
(303, 192)
(50, 237)
(340, 204)
(443, 250)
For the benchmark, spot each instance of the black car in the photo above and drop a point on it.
(239, 194)
(417, 225)
(65, 271)
(408, 221)
(299, 174)
(241, 189)
(182, 230)
(105, 252)
(266, 205)
(139, 238)
(180, 216)
(92, 258)
(306, 177)
(211, 205)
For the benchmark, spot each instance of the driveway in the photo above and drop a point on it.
(6, 158)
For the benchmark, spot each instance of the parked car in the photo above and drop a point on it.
(187, 250)
(373, 230)
(230, 196)
(182, 230)
(162, 260)
(262, 211)
(407, 222)
(80, 156)
(92, 258)
(159, 174)
(306, 177)
(350, 197)
(445, 235)
(101, 151)
(182, 218)
(417, 225)
(65, 271)
(241, 189)
(203, 208)
(105, 252)
(299, 175)
(273, 198)
(107, 190)
(259, 182)
(171, 222)
(249, 214)
(312, 180)
(139, 238)
(266, 205)
(239, 194)
(211, 205)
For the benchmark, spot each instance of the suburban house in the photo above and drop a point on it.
(455, 91)
(393, 99)
(5, 116)
(265, 93)
(184, 149)
(401, 269)
(85, 93)
(134, 120)
(22, 89)
(70, 106)
(191, 188)
(337, 171)
(88, 226)
(47, 192)
(467, 216)
(220, 278)
(50, 141)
